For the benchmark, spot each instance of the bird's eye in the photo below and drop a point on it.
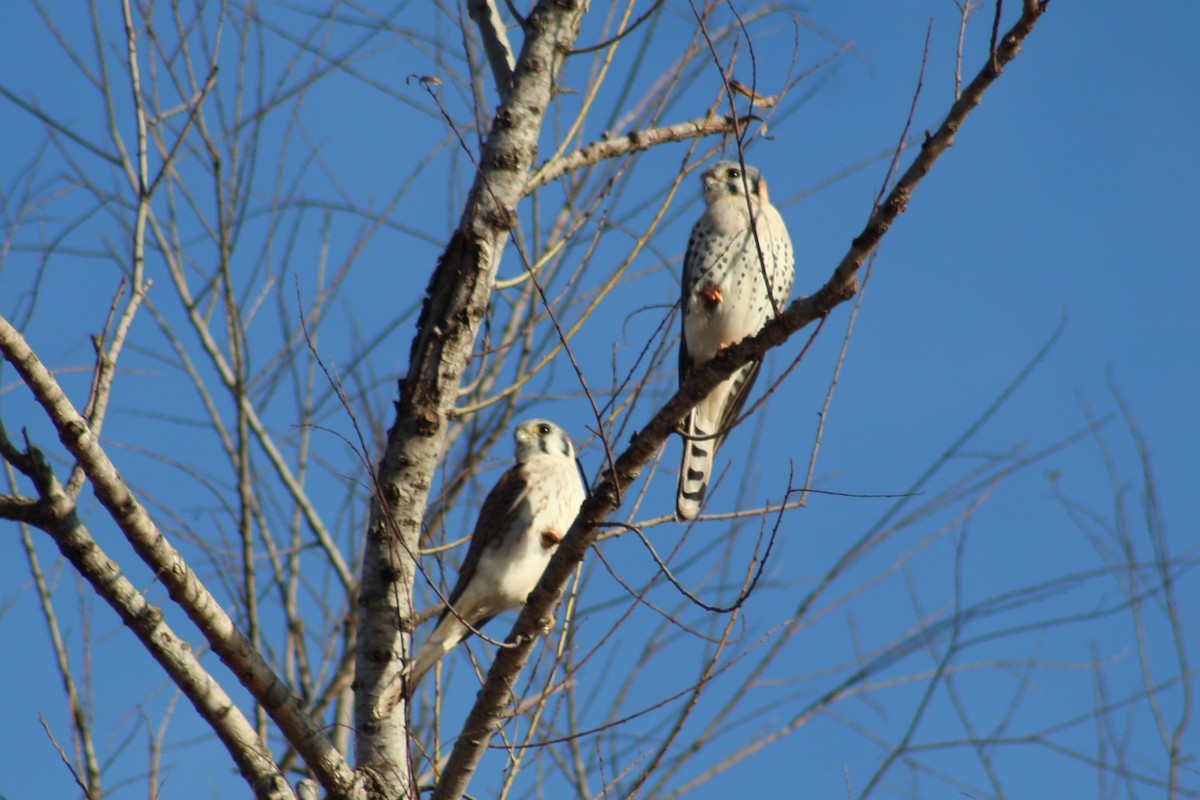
(543, 429)
(735, 173)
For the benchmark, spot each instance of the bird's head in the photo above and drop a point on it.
(724, 179)
(536, 436)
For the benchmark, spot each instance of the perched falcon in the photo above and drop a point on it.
(724, 301)
(523, 519)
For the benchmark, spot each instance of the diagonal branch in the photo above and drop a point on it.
(185, 588)
(842, 285)
(57, 516)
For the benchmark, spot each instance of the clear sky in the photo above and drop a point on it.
(1067, 201)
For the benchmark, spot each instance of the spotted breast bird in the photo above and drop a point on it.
(727, 291)
(523, 518)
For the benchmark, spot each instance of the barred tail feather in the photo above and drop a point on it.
(712, 415)
(695, 466)
(445, 637)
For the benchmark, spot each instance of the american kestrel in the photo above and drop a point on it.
(725, 300)
(523, 518)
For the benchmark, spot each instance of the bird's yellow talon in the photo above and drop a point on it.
(712, 296)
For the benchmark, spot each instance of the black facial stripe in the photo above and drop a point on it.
(546, 448)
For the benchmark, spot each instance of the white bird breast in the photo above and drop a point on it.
(733, 265)
(552, 503)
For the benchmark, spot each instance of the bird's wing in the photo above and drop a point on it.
(501, 510)
(692, 269)
(743, 381)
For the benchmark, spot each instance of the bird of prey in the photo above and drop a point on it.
(523, 518)
(725, 299)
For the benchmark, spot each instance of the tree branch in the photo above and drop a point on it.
(842, 285)
(455, 303)
(495, 43)
(58, 518)
(596, 152)
(181, 582)
(21, 509)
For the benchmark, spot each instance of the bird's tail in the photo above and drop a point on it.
(448, 633)
(704, 428)
(695, 466)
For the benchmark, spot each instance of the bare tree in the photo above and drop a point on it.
(273, 534)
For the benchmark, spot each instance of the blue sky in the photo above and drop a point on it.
(1067, 200)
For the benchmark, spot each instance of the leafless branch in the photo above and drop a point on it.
(618, 146)
(495, 43)
(840, 287)
(186, 589)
